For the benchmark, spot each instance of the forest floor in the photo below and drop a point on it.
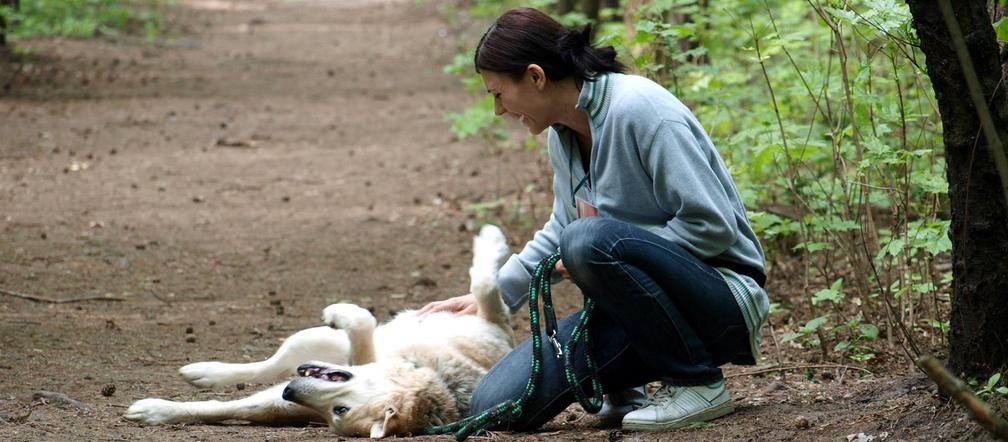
(222, 185)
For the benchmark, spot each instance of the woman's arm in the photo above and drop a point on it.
(687, 185)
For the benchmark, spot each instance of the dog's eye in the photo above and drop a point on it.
(339, 410)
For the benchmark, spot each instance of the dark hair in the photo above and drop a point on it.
(525, 36)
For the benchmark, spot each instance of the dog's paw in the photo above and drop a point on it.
(155, 412)
(489, 247)
(489, 250)
(348, 317)
(209, 374)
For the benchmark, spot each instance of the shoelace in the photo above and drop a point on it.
(663, 394)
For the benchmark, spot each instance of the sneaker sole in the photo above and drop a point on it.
(702, 416)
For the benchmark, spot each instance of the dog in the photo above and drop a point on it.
(399, 378)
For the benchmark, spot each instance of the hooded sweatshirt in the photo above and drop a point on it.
(653, 166)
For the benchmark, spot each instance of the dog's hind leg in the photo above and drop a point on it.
(313, 344)
(489, 250)
(265, 407)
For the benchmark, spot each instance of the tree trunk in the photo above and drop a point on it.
(630, 8)
(564, 6)
(978, 335)
(590, 8)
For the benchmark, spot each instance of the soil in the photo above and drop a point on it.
(220, 186)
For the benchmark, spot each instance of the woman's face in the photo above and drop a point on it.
(523, 99)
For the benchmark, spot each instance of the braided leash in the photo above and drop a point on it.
(511, 410)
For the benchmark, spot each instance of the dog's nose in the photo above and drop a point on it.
(289, 394)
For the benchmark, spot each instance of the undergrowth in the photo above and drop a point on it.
(827, 120)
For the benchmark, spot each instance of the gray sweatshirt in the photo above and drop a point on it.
(652, 166)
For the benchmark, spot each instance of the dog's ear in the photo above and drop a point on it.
(385, 428)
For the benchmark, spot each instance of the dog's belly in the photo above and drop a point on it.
(477, 339)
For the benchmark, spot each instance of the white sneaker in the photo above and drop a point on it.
(617, 404)
(674, 407)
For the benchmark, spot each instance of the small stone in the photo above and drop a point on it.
(239, 386)
(190, 339)
(189, 330)
(108, 390)
(802, 423)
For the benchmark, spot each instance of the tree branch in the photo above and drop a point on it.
(33, 298)
(959, 391)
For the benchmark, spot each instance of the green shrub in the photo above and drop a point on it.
(827, 120)
(82, 18)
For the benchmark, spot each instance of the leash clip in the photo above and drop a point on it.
(558, 350)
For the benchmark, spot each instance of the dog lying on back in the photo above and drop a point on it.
(395, 379)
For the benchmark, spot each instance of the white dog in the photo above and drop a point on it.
(399, 378)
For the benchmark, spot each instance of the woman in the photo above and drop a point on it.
(647, 221)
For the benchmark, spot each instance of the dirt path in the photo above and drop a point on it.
(274, 157)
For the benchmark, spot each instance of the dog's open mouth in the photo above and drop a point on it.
(324, 373)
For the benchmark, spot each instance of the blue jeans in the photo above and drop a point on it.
(660, 314)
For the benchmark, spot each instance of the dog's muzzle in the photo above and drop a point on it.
(311, 374)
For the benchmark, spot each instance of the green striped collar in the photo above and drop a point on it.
(595, 97)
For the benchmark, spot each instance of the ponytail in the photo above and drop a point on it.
(584, 60)
(525, 36)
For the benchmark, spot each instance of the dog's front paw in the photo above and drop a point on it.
(209, 374)
(348, 317)
(155, 412)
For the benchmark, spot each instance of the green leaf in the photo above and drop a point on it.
(841, 346)
(791, 336)
(814, 246)
(775, 308)
(1001, 29)
(930, 182)
(869, 331)
(861, 357)
(479, 116)
(827, 295)
(1002, 391)
(993, 381)
(813, 324)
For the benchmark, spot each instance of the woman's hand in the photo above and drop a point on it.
(559, 268)
(462, 305)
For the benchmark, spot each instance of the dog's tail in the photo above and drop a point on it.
(489, 250)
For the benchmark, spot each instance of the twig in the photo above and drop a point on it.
(959, 391)
(159, 298)
(60, 400)
(795, 367)
(33, 298)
